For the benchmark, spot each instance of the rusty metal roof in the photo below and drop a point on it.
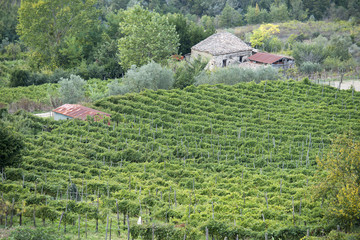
(78, 111)
(263, 57)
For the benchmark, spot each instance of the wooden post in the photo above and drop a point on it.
(86, 225)
(12, 212)
(79, 227)
(61, 217)
(34, 216)
(110, 228)
(212, 204)
(267, 205)
(20, 216)
(107, 226)
(175, 198)
(128, 226)
(293, 211)
(97, 213)
(6, 214)
(118, 218)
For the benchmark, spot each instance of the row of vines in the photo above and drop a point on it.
(227, 161)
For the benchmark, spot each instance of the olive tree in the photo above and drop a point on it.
(150, 76)
(72, 90)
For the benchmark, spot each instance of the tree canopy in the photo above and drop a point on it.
(54, 29)
(148, 36)
(341, 184)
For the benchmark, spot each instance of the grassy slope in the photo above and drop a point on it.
(211, 144)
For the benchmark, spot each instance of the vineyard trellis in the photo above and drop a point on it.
(220, 161)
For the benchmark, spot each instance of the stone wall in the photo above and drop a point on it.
(221, 60)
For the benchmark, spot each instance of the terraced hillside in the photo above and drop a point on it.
(233, 161)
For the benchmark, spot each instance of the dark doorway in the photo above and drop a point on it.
(224, 63)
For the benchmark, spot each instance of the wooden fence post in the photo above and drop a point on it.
(118, 218)
(79, 227)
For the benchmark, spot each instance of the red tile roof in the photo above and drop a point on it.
(263, 57)
(78, 111)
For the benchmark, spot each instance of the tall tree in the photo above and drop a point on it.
(46, 25)
(317, 8)
(8, 19)
(189, 32)
(264, 33)
(229, 17)
(341, 183)
(279, 13)
(147, 37)
(297, 10)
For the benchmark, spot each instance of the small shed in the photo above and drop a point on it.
(222, 49)
(70, 111)
(272, 59)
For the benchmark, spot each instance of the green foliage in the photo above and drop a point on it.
(150, 76)
(279, 13)
(234, 75)
(316, 8)
(106, 56)
(8, 20)
(19, 78)
(59, 33)
(147, 37)
(255, 16)
(338, 47)
(263, 35)
(34, 234)
(72, 89)
(341, 184)
(189, 32)
(229, 17)
(11, 144)
(297, 10)
(115, 88)
(186, 72)
(314, 52)
(310, 67)
(274, 44)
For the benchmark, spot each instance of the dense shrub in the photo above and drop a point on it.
(19, 78)
(150, 76)
(186, 72)
(34, 234)
(11, 144)
(234, 75)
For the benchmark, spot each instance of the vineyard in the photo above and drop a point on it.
(210, 161)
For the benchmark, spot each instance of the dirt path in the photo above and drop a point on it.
(347, 84)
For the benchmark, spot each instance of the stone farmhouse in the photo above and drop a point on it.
(222, 49)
